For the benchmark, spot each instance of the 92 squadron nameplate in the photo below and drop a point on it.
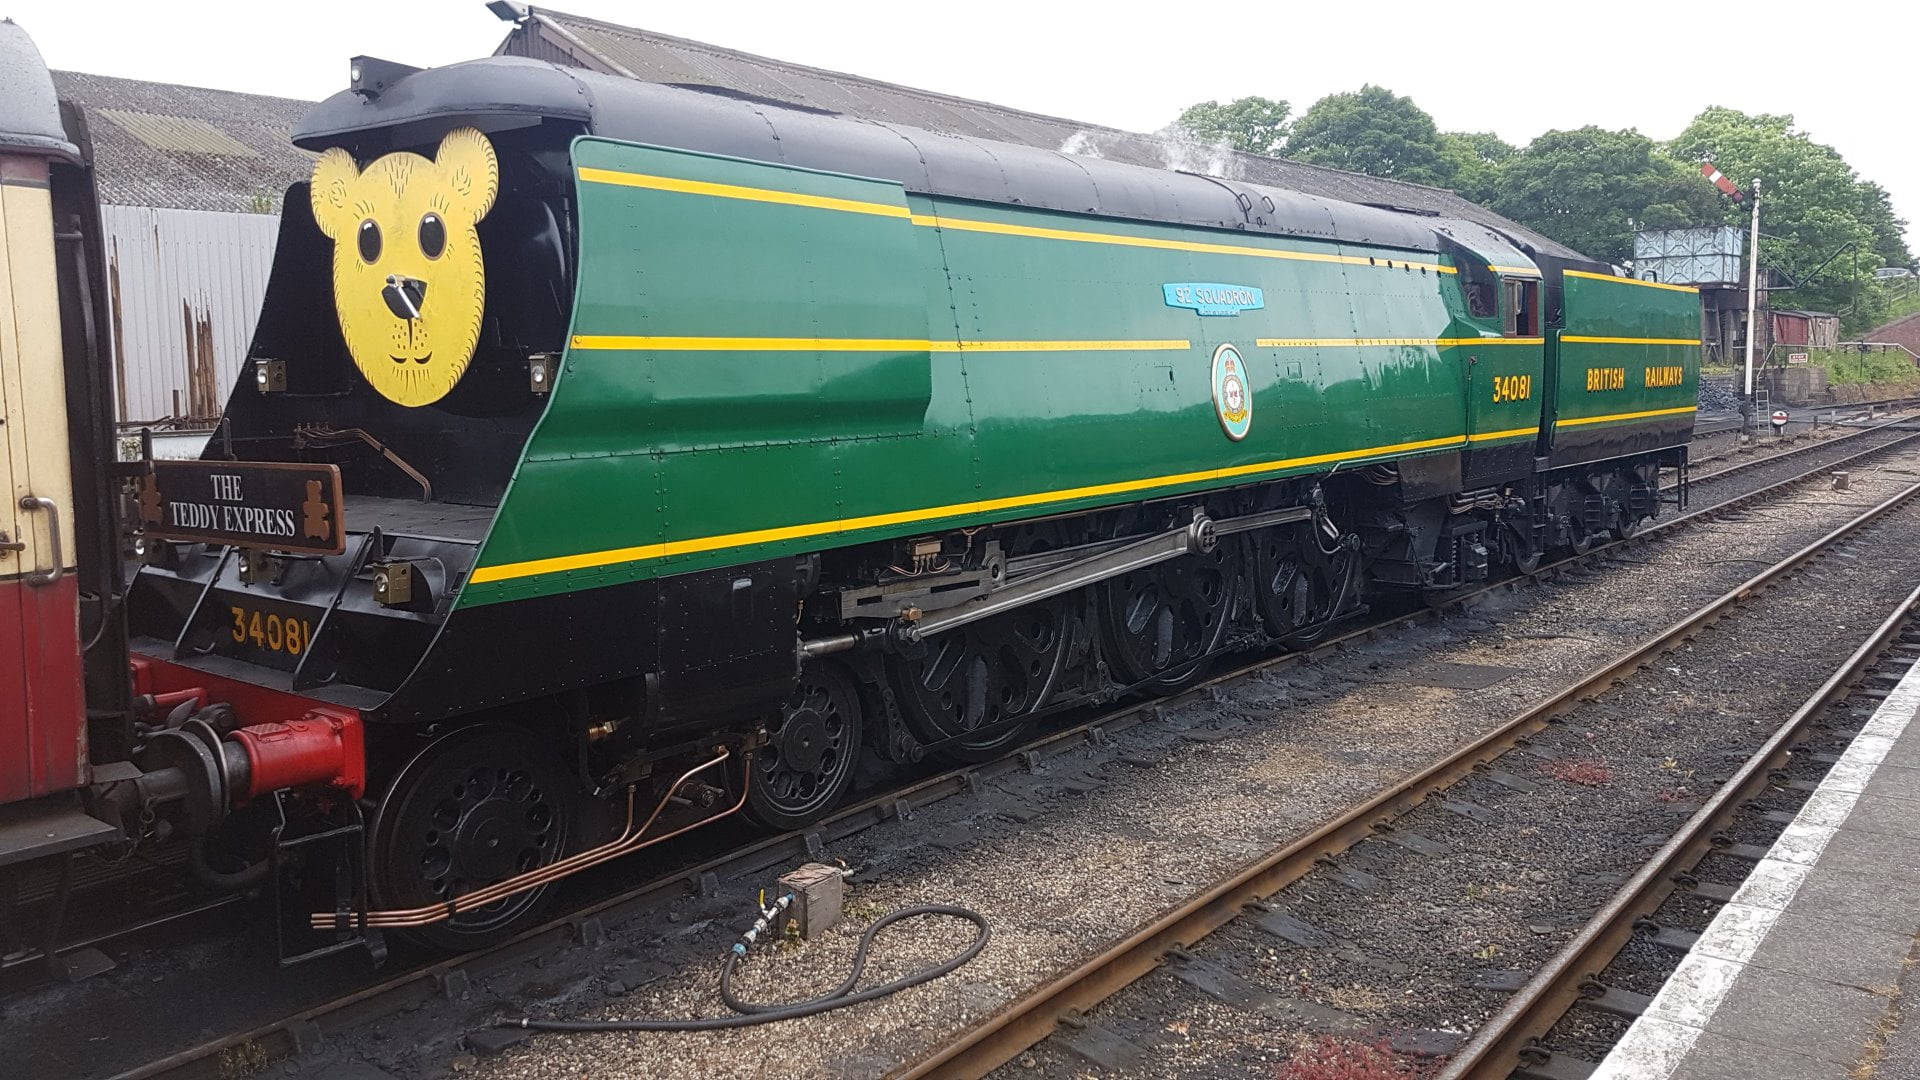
(282, 506)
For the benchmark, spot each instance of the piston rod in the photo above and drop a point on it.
(1109, 560)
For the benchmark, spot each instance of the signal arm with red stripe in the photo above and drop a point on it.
(1726, 186)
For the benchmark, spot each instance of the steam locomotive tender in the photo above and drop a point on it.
(613, 457)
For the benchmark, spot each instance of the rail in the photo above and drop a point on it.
(1497, 1048)
(1010, 1032)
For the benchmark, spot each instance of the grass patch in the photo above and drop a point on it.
(1851, 366)
(1901, 303)
(1844, 366)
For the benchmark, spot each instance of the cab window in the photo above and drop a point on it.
(1480, 296)
(1521, 311)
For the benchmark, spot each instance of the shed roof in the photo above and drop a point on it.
(559, 37)
(185, 147)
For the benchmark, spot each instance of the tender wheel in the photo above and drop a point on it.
(982, 674)
(811, 752)
(1160, 623)
(1525, 557)
(478, 805)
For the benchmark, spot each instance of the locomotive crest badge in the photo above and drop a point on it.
(409, 285)
(1232, 396)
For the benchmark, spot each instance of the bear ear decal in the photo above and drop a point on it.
(333, 177)
(472, 172)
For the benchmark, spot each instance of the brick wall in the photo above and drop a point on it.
(1904, 332)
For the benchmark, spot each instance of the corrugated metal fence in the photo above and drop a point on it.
(185, 288)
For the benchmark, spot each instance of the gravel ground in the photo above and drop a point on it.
(1404, 959)
(1801, 449)
(1718, 447)
(1069, 858)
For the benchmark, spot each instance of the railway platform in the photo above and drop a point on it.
(1810, 971)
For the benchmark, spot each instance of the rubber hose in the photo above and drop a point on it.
(223, 881)
(838, 998)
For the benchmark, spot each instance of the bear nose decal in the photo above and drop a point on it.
(404, 295)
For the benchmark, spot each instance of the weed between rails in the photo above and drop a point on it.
(1330, 1058)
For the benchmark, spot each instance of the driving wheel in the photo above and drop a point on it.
(982, 675)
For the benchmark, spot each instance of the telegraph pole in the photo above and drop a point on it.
(1753, 297)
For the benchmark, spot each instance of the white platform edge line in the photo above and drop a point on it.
(1663, 1036)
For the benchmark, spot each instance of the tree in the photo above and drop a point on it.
(1475, 158)
(1256, 125)
(1889, 230)
(1820, 226)
(1592, 189)
(1374, 131)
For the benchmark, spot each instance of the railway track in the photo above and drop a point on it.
(1068, 998)
(1518, 1041)
(290, 1035)
(1721, 424)
(1865, 437)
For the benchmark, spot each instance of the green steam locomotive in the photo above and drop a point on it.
(613, 457)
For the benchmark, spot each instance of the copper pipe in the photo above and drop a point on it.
(629, 841)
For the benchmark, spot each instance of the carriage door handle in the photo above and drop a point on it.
(41, 502)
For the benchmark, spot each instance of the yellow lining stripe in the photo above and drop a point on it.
(743, 344)
(1628, 340)
(774, 344)
(1511, 433)
(1578, 421)
(1524, 271)
(642, 552)
(780, 344)
(1055, 346)
(1630, 281)
(736, 191)
(1120, 240)
(856, 206)
(1301, 343)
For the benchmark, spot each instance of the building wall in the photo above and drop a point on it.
(185, 288)
(1903, 332)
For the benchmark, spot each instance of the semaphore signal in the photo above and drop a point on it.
(1726, 186)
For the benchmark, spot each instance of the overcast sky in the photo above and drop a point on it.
(1848, 70)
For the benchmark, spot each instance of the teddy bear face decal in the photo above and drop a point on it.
(409, 284)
